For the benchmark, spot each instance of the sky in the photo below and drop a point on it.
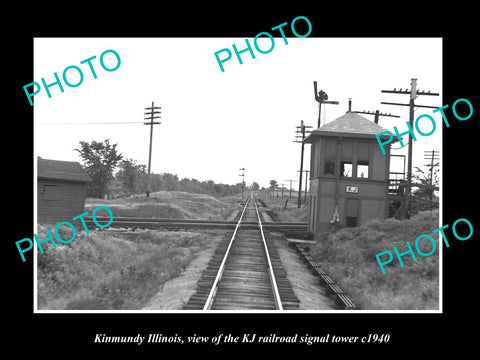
(213, 123)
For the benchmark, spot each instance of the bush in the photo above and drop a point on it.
(349, 257)
(102, 271)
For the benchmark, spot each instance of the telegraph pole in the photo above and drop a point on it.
(431, 155)
(321, 97)
(283, 185)
(377, 114)
(306, 185)
(243, 179)
(290, 194)
(414, 93)
(299, 138)
(152, 114)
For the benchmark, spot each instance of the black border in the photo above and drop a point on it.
(410, 333)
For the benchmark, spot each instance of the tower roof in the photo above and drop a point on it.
(349, 125)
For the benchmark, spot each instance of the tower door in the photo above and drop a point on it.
(352, 212)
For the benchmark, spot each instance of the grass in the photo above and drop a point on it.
(169, 205)
(290, 213)
(115, 271)
(105, 271)
(348, 256)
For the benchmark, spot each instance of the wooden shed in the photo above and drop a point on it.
(349, 176)
(61, 190)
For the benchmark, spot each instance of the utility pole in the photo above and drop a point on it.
(299, 138)
(290, 194)
(243, 179)
(306, 185)
(377, 113)
(282, 187)
(431, 155)
(152, 114)
(321, 97)
(414, 93)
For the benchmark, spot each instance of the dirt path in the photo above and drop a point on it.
(305, 285)
(176, 292)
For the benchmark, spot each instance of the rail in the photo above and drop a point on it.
(153, 223)
(276, 294)
(208, 303)
(271, 275)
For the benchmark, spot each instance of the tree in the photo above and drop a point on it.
(423, 197)
(255, 186)
(99, 160)
(155, 183)
(169, 181)
(219, 190)
(273, 184)
(132, 176)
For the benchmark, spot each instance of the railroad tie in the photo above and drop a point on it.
(239, 277)
(341, 298)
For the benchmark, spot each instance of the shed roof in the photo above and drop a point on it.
(61, 170)
(350, 125)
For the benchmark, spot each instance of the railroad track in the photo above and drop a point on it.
(155, 223)
(245, 272)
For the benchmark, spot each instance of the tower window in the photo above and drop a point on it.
(346, 169)
(362, 169)
(329, 168)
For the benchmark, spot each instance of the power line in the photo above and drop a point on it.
(414, 93)
(377, 113)
(94, 123)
